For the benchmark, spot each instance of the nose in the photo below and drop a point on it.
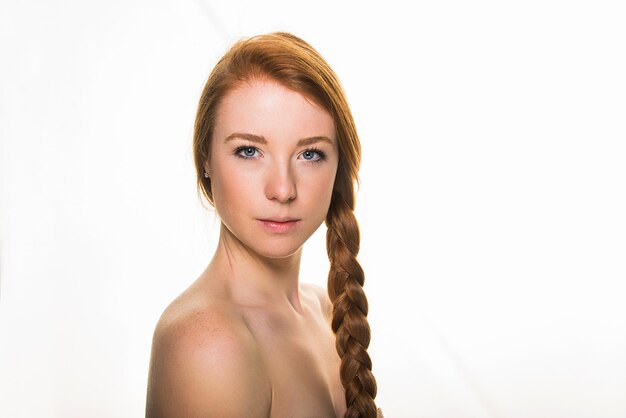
(280, 184)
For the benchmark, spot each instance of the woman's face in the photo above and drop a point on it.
(273, 164)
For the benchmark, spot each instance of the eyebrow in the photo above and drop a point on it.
(313, 140)
(250, 137)
(261, 140)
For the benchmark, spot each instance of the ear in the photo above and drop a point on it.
(207, 170)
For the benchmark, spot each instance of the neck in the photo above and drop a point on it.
(253, 279)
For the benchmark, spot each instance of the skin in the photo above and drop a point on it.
(246, 338)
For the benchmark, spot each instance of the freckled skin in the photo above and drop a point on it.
(246, 338)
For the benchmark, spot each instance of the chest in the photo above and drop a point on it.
(302, 364)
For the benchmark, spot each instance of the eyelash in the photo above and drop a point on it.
(320, 153)
(244, 147)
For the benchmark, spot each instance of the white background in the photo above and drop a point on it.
(492, 201)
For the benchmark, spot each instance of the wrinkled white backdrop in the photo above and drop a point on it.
(492, 201)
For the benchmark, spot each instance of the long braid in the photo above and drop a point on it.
(349, 322)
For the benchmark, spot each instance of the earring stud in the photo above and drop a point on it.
(206, 175)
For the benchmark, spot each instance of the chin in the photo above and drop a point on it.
(268, 245)
(277, 250)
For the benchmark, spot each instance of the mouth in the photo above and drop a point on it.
(279, 225)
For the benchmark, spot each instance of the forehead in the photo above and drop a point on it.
(266, 107)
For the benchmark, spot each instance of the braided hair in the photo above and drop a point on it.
(295, 64)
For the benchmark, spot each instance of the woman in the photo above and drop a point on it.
(276, 154)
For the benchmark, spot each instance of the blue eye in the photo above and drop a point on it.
(246, 152)
(313, 155)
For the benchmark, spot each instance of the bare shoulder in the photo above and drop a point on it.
(205, 362)
(321, 295)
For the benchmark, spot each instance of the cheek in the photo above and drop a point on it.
(319, 190)
(231, 189)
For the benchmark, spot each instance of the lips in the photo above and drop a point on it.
(279, 220)
(279, 225)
